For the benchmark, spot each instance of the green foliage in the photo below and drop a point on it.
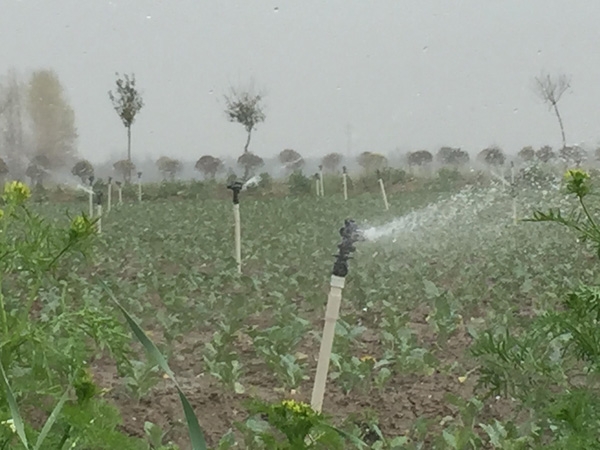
(299, 184)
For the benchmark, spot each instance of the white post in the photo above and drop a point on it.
(514, 191)
(120, 194)
(238, 236)
(318, 187)
(321, 180)
(109, 197)
(385, 201)
(345, 181)
(99, 213)
(334, 301)
(91, 200)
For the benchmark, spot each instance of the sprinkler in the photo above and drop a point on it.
(317, 184)
(345, 182)
(91, 192)
(383, 194)
(139, 174)
(236, 187)
(350, 235)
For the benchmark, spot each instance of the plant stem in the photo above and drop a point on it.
(3, 314)
(588, 214)
(65, 437)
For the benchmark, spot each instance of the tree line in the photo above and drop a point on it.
(39, 133)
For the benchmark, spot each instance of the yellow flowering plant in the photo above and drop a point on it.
(294, 425)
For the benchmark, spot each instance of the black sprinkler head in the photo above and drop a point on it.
(350, 234)
(99, 198)
(236, 186)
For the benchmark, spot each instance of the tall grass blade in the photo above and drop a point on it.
(51, 419)
(14, 410)
(196, 434)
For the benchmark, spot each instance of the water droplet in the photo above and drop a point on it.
(210, 92)
(425, 49)
(516, 110)
(276, 9)
(148, 17)
(338, 88)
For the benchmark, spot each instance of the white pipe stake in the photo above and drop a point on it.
(318, 187)
(238, 236)
(120, 195)
(140, 191)
(514, 200)
(332, 312)
(99, 213)
(385, 201)
(109, 198)
(345, 181)
(91, 201)
(321, 179)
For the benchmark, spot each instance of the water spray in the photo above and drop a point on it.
(139, 174)
(383, 194)
(236, 187)
(321, 180)
(350, 235)
(109, 197)
(345, 182)
(90, 192)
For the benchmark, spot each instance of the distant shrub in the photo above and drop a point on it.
(299, 184)
(266, 181)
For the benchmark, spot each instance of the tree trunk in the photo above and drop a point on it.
(247, 142)
(129, 153)
(562, 129)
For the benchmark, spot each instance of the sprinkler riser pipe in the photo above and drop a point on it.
(318, 187)
(91, 199)
(99, 214)
(334, 300)
(140, 192)
(120, 195)
(383, 194)
(345, 182)
(238, 236)
(109, 198)
(321, 183)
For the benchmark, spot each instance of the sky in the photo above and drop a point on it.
(338, 75)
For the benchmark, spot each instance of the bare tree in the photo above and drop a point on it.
(127, 102)
(550, 90)
(244, 107)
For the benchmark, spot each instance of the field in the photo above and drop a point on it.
(415, 302)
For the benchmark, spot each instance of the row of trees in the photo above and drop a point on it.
(291, 160)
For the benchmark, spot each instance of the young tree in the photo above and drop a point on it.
(124, 168)
(291, 159)
(168, 167)
(332, 161)
(83, 169)
(527, 154)
(452, 156)
(12, 116)
(545, 154)
(419, 158)
(127, 102)
(371, 161)
(492, 156)
(244, 107)
(209, 166)
(52, 120)
(550, 90)
(250, 162)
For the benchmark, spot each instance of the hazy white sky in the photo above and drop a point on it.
(404, 73)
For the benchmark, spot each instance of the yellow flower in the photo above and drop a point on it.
(577, 182)
(368, 358)
(80, 227)
(299, 408)
(16, 192)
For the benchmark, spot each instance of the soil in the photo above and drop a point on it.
(406, 397)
